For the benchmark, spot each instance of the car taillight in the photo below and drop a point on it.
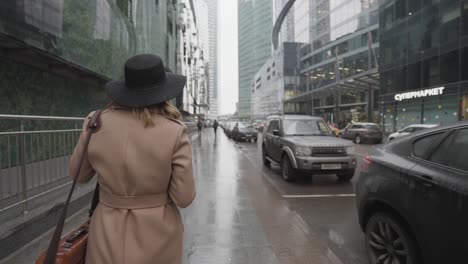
(366, 162)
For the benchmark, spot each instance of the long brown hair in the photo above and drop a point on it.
(145, 113)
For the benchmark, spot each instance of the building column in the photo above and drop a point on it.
(312, 106)
(337, 101)
(370, 104)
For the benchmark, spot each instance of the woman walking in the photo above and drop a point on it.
(143, 161)
(215, 126)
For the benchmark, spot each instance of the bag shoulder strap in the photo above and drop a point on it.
(94, 125)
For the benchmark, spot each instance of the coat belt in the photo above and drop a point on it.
(133, 202)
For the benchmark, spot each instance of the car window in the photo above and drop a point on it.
(356, 126)
(303, 127)
(421, 146)
(453, 151)
(408, 130)
(372, 127)
(244, 125)
(324, 128)
(273, 125)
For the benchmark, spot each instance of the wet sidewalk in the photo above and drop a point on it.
(237, 216)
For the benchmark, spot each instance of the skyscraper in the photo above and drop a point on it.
(255, 23)
(212, 57)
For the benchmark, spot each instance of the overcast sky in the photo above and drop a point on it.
(227, 56)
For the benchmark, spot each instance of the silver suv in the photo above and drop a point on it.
(304, 143)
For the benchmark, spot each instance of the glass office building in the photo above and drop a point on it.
(424, 62)
(338, 61)
(255, 23)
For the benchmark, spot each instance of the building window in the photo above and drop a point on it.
(400, 9)
(441, 110)
(387, 18)
(430, 28)
(413, 6)
(274, 72)
(465, 18)
(449, 68)
(268, 70)
(431, 72)
(450, 21)
(414, 76)
(268, 78)
(464, 60)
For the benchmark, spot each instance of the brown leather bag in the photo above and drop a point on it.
(71, 249)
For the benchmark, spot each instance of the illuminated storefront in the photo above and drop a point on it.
(442, 108)
(423, 62)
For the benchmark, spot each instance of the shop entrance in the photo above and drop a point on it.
(353, 114)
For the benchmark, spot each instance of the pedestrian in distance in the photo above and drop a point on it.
(215, 126)
(200, 126)
(142, 158)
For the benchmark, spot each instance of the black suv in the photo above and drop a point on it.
(305, 143)
(412, 198)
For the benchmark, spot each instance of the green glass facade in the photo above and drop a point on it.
(255, 24)
(423, 44)
(96, 35)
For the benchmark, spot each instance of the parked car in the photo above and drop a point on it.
(412, 198)
(229, 129)
(306, 144)
(244, 131)
(362, 132)
(409, 129)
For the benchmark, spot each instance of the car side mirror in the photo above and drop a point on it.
(276, 132)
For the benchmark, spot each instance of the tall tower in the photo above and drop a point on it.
(212, 57)
(255, 24)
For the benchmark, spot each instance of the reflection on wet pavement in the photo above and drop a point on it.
(238, 217)
(221, 226)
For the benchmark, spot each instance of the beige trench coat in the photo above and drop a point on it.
(144, 175)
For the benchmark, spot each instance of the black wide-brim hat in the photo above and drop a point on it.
(146, 83)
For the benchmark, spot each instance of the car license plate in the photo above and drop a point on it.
(331, 166)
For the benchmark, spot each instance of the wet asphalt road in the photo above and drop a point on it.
(333, 218)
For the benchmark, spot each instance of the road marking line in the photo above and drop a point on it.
(320, 195)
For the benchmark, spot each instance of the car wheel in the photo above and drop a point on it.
(345, 176)
(358, 139)
(266, 162)
(387, 241)
(287, 171)
(390, 139)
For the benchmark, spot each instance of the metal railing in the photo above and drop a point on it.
(34, 156)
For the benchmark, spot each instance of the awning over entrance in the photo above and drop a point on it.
(357, 83)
